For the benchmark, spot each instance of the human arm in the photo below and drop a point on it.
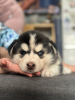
(6, 65)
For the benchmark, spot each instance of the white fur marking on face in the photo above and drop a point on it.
(24, 47)
(16, 59)
(38, 47)
(32, 41)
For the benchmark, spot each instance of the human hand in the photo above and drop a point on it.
(71, 67)
(6, 65)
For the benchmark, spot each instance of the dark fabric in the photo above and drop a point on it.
(17, 87)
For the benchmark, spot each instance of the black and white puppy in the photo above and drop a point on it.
(34, 52)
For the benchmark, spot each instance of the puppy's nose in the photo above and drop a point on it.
(30, 65)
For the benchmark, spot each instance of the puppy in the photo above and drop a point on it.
(35, 52)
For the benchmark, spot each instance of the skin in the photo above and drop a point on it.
(3, 53)
(70, 67)
(7, 66)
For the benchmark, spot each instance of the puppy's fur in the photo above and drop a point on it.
(34, 52)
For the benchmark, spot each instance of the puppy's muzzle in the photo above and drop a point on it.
(30, 65)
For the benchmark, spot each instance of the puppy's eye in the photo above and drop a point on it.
(40, 53)
(22, 52)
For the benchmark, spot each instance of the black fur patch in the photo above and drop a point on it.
(61, 68)
(40, 38)
(24, 38)
(10, 47)
(54, 59)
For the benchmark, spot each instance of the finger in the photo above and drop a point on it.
(27, 74)
(5, 63)
(30, 75)
(37, 73)
(3, 68)
(9, 66)
(2, 62)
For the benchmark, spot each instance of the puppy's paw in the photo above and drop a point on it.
(66, 70)
(47, 73)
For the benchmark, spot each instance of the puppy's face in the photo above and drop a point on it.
(33, 51)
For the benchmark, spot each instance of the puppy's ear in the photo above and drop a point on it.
(53, 44)
(53, 47)
(10, 48)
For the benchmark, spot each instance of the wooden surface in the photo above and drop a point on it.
(28, 27)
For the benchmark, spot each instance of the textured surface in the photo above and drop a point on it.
(17, 87)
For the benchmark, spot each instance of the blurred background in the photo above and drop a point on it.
(55, 18)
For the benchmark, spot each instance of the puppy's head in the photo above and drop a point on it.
(33, 51)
